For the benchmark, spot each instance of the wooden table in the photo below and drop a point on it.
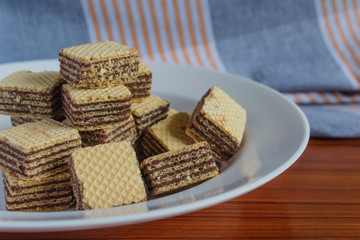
(317, 197)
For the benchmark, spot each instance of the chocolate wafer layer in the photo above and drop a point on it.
(179, 168)
(31, 95)
(37, 149)
(98, 65)
(220, 121)
(106, 175)
(90, 109)
(168, 134)
(124, 131)
(38, 194)
(141, 85)
(149, 111)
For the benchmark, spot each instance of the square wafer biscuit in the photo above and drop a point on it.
(141, 85)
(31, 95)
(15, 121)
(123, 131)
(51, 193)
(148, 111)
(37, 149)
(219, 120)
(90, 109)
(98, 65)
(106, 175)
(179, 168)
(168, 134)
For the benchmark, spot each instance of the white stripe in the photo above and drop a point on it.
(339, 40)
(210, 36)
(113, 22)
(140, 36)
(151, 30)
(89, 21)
(346, 30)
(325, 34)
(351, 13)
(186, 33)
(162, 30)
(125, 23)
(174, 32)
(331, 97)
(197, 32)
(101, 20)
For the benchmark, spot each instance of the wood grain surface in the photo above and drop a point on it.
(316, 198)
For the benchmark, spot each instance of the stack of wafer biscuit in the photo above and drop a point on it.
(33, 157)
(28, 97)
(95, 99)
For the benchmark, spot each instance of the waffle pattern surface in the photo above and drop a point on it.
(31, 95)
(39, 148)
(98, 65)
(220, 121)
(149, 111)
(168, 134)
(106, 175)
(179, 168)
(91, 109)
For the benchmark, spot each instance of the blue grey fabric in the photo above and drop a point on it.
(277, 43)
(326, 121)
(38, 29)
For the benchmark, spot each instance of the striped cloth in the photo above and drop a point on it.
(307, 49)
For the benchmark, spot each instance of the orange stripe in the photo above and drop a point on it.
(157, 34)
(168, 31)
(118, 19)
(343, 37)
(297, 98)
(338, 97)
(132, 26)
(333, 41)
(353, 98)
(145, 31)
(180, 32)
(107, 21)
(326, 100)
(348, 22)
(93, 16)
(203, 34)
(311, 97)
(357, 17)
(192, 35)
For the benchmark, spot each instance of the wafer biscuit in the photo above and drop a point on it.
(98, 65)
(90, 109)
(51, 193)
(220, 121)
(179, 168)
(30, 95)
(168, 134)
(106, 175)
(37, 149)
(123, 131)
(141, 85)
(149, 111)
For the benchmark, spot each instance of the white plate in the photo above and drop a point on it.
(276, 134)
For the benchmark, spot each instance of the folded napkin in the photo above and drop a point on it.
(307, 49)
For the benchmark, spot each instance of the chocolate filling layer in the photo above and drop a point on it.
(89, 64)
